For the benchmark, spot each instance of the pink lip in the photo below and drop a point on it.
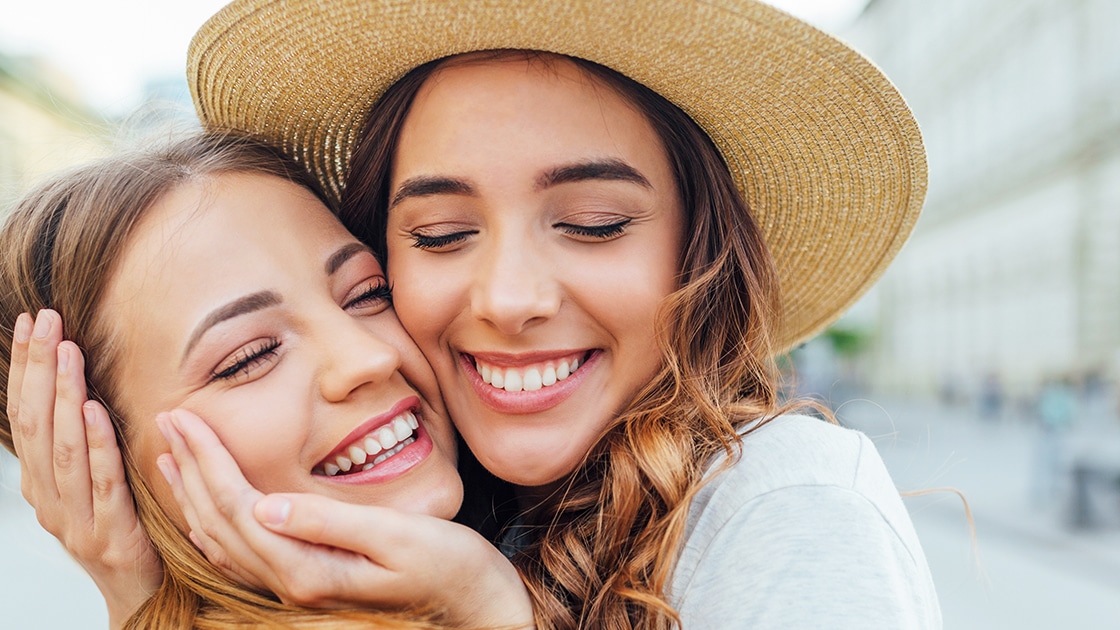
(392, 468)
(396, 465)
(376, 422)
(525, 402)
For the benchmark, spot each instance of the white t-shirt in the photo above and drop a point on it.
(806, 530)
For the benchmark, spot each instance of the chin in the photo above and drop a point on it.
(443, 503)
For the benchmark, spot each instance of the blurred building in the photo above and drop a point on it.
(43, 126)
(1013, 272)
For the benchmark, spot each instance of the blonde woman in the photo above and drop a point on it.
(179, 299)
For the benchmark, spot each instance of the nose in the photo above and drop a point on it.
(353, 356)
(515, 287)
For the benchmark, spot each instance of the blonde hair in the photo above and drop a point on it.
(604, 554)
(58, 249)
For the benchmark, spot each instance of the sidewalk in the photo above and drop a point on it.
(996, 463)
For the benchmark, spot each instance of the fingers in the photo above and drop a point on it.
(113, 507)
(21, 336)
(71, 454)
(324, 521)
(211, 469)
(409, 559)
(35, 409)
(215, 497)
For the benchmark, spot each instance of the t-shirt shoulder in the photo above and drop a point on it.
(795, 452)
(803, 502)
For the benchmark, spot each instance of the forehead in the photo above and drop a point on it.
(533, 106)
(219, 232)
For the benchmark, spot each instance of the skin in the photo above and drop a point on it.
(572, 268)
(341, 359)
(344, 364)
(534, 217)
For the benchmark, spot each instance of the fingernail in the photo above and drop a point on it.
(63, 359)
(173, 420)
(273, 510)
(42, 326)
(89, 414)
(23, 328)
(195, 540)
(162, 420)
(161, 462)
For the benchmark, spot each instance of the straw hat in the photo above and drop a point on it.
(820, 143)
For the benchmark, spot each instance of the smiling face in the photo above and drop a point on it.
(534, 229)
(242, 299)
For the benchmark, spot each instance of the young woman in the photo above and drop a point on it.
(283, 338)
(589, 254)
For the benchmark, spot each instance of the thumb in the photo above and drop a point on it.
(324, 521)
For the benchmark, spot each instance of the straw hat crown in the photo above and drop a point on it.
(820, 143)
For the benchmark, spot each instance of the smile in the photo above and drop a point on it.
(528, 383)
(371, 449)
(529, 378)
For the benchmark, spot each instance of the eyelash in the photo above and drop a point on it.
(377, 291)
(249, 358)
(420, 241)
(595, 231)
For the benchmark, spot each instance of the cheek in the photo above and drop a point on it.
(426, 301)
(262, 425)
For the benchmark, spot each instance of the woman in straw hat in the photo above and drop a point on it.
(588, 242)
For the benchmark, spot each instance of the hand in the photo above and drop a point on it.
(71, 470)
(318, 552)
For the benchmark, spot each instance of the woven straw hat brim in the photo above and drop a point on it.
(821, 144)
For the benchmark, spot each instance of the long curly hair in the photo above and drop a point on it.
(59, 249)
(604, 553)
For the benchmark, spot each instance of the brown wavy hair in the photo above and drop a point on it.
(604, 554)
(58, 249)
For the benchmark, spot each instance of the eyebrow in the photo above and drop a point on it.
(241, 306)
(343, 254)
(608, 169)
(425, 186)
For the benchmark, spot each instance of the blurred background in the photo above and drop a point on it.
(986, 360)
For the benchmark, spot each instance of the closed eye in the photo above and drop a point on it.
(246, 360)
(594, 232)
(377, 293)
(440, 241)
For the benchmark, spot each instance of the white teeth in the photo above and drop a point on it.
(384, 443)
(401, 429)
(357, 455)
(387, 438)
(513, 381)
(530, 379)
(393, 451)
(533, 380)
(548, 377)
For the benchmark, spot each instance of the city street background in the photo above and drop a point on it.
(985, 364)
